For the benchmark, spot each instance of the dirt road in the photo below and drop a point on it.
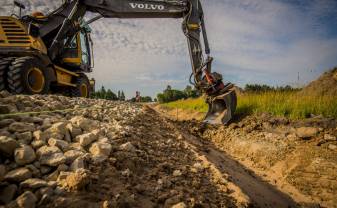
(284, 161)
(112, 154)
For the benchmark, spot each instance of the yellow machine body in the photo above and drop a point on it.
(14, 34)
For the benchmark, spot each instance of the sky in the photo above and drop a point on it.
(275, 42)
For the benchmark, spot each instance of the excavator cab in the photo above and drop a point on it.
(78, 51)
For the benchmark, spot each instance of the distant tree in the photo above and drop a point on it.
(110, 95)
(122, 96)
(258, 88)
(119, 95)
(103, 93)
(146, 99)
(170, 95)
(190, 92)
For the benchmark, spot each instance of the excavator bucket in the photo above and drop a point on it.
(221, 108)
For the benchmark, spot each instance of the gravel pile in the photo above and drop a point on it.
(47, 154)
(99, 153)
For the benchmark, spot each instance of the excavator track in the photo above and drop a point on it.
(4, 66)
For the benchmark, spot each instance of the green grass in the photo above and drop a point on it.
(288, 104)
(189, 104)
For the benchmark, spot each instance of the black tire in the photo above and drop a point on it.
(27, 75)
(81, 82)
(4, 65)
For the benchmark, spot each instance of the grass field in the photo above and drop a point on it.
(287, 104)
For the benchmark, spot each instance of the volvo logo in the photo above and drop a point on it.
(147, 6)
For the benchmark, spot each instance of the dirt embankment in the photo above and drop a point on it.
(298, 158)
(324, 85)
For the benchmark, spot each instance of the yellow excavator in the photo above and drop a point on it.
(52, 53)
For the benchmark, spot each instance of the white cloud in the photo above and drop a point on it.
(252, 41)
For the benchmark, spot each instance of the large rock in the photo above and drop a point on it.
(45, 169)
(67, 137)
(74, 130)
(84, 123)
(100, 149)
(45, 195)
(53, 176)
(63, 145)
(86, 139)
(58, 128)
(51, 156)
(40, 136)
(329, 137)
(63, 167)
(307, 132)
(46, 124)
(36, 144)
(25, 137)
(18, 175)
(24, 155)
(71, 155)
(7, 193)
(26, 200)
(6, 122)
(79, 163)
(35, 171)
(21, 127)
(52, 134)
(33, 183)
(77, 181)
(8, 145)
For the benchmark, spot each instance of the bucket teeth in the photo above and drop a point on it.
(221, 108)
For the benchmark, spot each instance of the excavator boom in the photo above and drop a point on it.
(65, 23)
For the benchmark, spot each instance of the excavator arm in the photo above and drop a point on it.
(64, 22)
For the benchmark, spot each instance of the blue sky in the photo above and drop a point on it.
(252, 41)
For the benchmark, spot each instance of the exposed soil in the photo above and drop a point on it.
(128, 155)
(305, 169)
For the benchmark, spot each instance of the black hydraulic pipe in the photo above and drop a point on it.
(204, 35)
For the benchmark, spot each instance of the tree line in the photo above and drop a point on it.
(257, 88)
(170, 95)
(145, 99)
(108, 94)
